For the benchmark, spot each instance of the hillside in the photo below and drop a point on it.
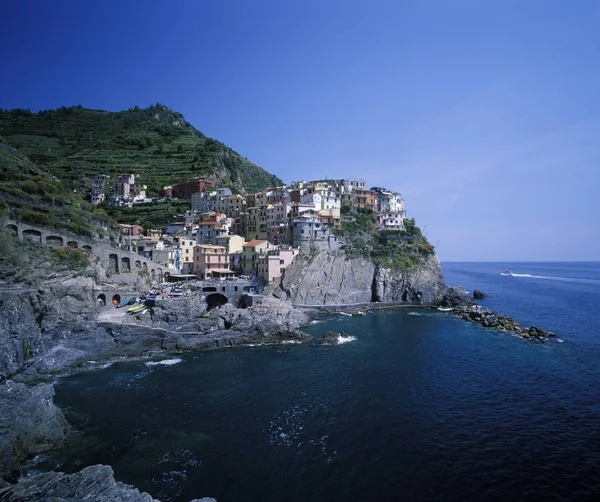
(155, 143)
(28, 193)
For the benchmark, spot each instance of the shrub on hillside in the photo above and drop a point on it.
(35, 218)
(75, 259)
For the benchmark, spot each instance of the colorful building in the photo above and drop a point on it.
(272, 264)
(210, 261)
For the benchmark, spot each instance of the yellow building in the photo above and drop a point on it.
(187, 254)
(253, 250)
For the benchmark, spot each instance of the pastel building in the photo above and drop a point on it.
(211, 261)
(272, 264)
(252, 251)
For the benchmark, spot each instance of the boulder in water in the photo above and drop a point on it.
(478, 295)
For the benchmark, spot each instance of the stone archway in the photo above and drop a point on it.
(73, 244)
(152, 274)
(55, 241)
(159, 275)
(101, 299)
(87, 248)
(113, 263)
(116, 299)
(13, 229)
(216, 300)
(138, 264)
(145, 266)
(32, 235)
(125, 264)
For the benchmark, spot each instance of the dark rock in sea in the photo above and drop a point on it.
(333, 338)
(454, 297)
(489, 319)
(478, 295)
(92, 483)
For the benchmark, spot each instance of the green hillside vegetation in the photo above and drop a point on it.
(156, 215)
(154, 143)
(30, 194)
(395, 249)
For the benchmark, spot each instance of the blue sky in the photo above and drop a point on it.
(484, 114)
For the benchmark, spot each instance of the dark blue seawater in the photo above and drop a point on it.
(421, 406)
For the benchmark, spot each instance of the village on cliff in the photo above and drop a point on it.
(224, 235)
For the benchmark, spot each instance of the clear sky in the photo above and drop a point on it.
(484, 114)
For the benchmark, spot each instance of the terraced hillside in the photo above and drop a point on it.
(155, 143)
(30, 194)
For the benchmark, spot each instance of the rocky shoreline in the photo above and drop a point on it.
(39, 347)
(49, 338)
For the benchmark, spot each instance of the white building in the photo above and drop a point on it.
(389, 202)
(354, 184)
(392, 220)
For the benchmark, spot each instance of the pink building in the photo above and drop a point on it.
(211, 261)
(272, 265)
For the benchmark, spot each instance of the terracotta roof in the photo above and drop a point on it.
(252, 244)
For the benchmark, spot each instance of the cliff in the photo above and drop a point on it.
(327, 277)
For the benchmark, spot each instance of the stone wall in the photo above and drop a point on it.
(115, 260)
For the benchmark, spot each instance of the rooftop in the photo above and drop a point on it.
(253, 243)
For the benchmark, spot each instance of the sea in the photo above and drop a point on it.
(418, 405)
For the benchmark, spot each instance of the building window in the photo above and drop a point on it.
(281, 262)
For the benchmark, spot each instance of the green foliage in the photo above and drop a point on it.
(27, 353)
(395, 249)
(30, 194)
(35, 218)
(155, 143)
(75, 259)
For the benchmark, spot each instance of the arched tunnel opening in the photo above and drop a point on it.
(216, 300)
(116, 299)
(102, 299)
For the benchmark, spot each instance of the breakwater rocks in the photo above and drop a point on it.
(489, 319)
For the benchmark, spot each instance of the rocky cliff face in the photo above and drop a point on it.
(326, 277)
(49, 326)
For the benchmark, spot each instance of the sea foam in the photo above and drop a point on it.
(164, 362)
(346, 339)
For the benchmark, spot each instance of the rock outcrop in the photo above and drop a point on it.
(479, 295)
(489, 319)
(326, 277)
(334, 338)
(92, 483)
(31, 424)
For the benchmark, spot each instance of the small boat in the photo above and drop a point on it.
(506, 272)
(143, 310)
(122, 304)
(358, 313)
(346, 314)
(135, 308)
(445, 309)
